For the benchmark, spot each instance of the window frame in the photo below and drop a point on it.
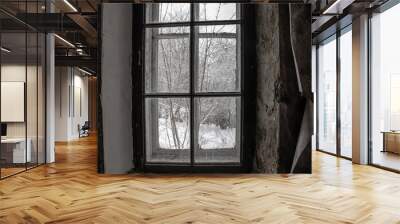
(336, 36)
(371, 14)
(194, 95)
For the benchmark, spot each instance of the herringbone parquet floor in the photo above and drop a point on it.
(70, 191)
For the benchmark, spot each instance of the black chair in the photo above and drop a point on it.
(84, 130)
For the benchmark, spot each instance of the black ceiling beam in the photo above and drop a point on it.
(50, 22)
(77, 61)
(8, 24)
(64, 51)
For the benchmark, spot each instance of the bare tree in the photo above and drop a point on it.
(216, 63)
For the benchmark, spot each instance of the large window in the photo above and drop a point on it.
(334, 94)
(346, 92)
(385, 89)
(327, 95)
(192, 83)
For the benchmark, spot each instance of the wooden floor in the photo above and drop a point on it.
(5, 172)
(70, 191)
(386, 159)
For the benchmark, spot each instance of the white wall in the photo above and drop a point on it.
(62, 82)
(33, 126)
(69, 84)
(17, 73)
(12, 73)
(80, 82)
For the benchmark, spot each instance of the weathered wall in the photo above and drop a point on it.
(283, 38)
(268, 70)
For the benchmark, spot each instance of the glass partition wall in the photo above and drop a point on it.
(22, 98)
(334, 94)
(385, 89)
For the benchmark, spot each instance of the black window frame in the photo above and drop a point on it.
(334, 36)
(371, 13)
(192, 95)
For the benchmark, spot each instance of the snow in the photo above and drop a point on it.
(211, 136)
(165, 134)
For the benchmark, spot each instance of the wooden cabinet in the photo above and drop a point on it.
(391, 142)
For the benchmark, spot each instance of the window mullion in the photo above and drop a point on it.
(223, 98)
(192, 82)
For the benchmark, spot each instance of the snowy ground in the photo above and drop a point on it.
(210, 136)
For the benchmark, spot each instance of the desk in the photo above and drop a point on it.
(13, 150)
(391, 141)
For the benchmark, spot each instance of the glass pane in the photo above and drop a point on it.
(217, 129)
(41, 99)
(31, 100)
(327, 97)
(218, 49)
(167, 12)
(346, 94)
(385, 88)
(15, 150)
(314, 84)
(168, 130)
(218, 11)
(167, 60)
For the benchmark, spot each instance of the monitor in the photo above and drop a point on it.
(3, 129)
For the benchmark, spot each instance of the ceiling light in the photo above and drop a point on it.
(327, 11)
(5, 50)
(84, 71)
(65, 41)
(337, 7)
(79, 51)
(70, 5)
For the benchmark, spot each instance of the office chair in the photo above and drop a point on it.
(84, 130)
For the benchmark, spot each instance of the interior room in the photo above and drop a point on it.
(22, 99)
(123, 111)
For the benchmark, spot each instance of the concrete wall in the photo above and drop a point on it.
(116, 86)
